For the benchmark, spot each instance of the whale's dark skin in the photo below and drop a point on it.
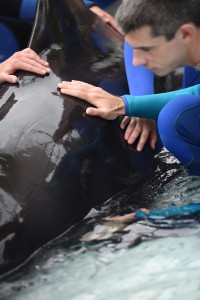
(55, 162)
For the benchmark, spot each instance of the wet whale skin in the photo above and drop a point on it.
(56, 163)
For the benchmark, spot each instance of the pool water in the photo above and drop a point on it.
(155, 257)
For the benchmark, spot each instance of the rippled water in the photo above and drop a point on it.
(161, 269)
(155, 257)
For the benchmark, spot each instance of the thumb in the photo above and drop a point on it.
(8, 78)
(92, 111)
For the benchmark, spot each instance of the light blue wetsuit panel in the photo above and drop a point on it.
(149, 106)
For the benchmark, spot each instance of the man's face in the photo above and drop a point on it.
(156, 53)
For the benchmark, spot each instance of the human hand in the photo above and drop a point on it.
(142, 128)
(106, 17)
(107, 105)
(26, 60)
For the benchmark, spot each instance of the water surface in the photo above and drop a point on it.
(156, 257)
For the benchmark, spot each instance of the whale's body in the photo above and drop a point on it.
(55, 162)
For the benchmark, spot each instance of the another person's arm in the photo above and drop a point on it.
(105, 17)
(26, 60)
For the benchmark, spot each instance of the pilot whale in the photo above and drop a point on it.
(56, 163)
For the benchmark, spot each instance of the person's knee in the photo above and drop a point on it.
(166, 121)
(180, 118)
(179, 128)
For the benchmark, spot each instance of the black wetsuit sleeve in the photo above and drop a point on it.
(10, 8)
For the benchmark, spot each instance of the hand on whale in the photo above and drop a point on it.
(26, 60)
(107, 106)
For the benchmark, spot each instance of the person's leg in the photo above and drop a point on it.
(179, 128)
(15, 26)
(9, 43)
(18, 9)
(27, 10)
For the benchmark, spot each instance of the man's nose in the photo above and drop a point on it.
(138, 58)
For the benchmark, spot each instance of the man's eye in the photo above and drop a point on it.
(145, 49)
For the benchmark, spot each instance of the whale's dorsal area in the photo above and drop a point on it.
(55, 162)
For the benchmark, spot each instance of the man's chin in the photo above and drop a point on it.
(161, 73)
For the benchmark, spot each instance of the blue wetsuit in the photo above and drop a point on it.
(178, 115)
(101, 3)
(178, 119)
(16, 19)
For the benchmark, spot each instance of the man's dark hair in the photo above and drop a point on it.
(163, 16)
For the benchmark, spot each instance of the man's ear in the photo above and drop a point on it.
(187, 32)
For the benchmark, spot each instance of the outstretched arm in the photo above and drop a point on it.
(110, 107)
(103, 15)
(106, 17)
(149, 106)
(26, 60)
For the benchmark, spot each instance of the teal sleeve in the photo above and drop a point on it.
(149, 106)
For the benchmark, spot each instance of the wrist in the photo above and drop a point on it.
(125, 103)
(120, 107)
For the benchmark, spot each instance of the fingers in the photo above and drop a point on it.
(153, 139)
(107, 105)
(148, 132)
(8, 78)
(30, 65)
(92, 111)
(28, 60)
(82, 90)
(76, 84)
(95, 112)
(139, 128)
(124, 122)
(33, 56)
(132, 131)
(140, 132)
(76, 88)
(143, 139)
